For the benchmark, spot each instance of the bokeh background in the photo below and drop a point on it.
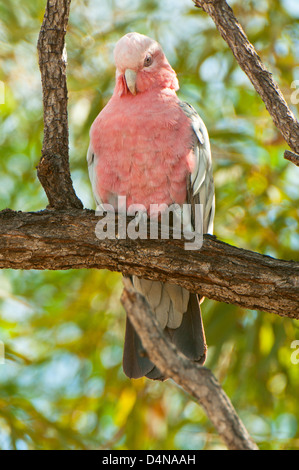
(62, 384)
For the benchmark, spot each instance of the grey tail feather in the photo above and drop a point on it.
(135, 361)
(189, 338)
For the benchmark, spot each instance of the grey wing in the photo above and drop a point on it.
(92, 160)
(200, 184)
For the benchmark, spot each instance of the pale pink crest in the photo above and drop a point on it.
(130, 52)
(131, 49)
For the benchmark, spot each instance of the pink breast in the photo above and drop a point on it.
(144, 149)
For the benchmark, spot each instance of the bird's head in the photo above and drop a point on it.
(141, 65)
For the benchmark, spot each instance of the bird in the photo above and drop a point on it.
(151, 147)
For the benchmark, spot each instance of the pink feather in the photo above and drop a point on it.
(143, 143)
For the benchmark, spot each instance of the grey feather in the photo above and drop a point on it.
(179, 296)
(201, 184)
(136, 364)
(175, 317)
(189, 338)
(92, 162)
(162, 310)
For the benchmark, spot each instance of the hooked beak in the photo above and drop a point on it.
(130, 77)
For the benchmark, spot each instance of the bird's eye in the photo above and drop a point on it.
(148, 61)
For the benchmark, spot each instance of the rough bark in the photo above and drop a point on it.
(67, 240)
(292, 157)
(250, 62)
(53, 169)
(198, 381)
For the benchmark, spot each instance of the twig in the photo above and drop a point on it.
(292, 157)
(195, 380)
(53, 169)
(249, 61)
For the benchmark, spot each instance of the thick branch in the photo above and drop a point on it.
(66, 240)
(53, 170)
(197, 381)
(249, 61)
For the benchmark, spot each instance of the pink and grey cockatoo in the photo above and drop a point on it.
(151, 147)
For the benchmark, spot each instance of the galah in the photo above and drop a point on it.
(152, 148)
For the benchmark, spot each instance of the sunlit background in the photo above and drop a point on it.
(62, 384)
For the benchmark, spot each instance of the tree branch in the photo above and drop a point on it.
(53, 169)
(196, 380)
(292, 157)
(67, 240)
(249, 61)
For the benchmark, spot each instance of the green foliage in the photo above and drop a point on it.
(62, 386)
